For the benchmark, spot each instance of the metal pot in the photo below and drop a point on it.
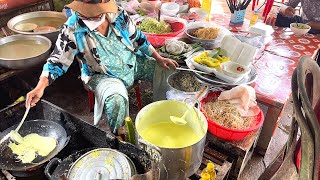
(175, 163)
(102, 163)
(25, 63)
(52, 35)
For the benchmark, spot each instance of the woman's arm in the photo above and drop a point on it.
(62, 56)
(314, 25)
(288, 9)
(57, 64)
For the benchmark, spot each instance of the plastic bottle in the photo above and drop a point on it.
(209, 170)
(254, 18)
(205, 176)
(206, 5)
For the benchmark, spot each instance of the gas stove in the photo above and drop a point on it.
(83, 136)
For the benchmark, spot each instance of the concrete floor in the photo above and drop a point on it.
(68, 93)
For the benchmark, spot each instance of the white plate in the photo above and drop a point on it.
(216, 71)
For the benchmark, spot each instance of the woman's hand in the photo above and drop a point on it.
(287, 11)
(166, 63)
(35, 95)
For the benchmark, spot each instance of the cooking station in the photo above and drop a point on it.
(83, 137)
(229, 157)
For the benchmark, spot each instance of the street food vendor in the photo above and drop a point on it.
(310, 14)
(112, 53)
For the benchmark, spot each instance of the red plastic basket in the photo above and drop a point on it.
(228, 133)
(158, 40)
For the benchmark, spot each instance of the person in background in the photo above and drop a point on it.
(310, 14)
(112, 54)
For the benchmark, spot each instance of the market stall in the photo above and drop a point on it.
(222, 103)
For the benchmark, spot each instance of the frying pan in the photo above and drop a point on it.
(44, 128)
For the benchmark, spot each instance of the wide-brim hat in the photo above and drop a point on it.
(93, 8)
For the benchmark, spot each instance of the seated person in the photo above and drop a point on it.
(112, 52)
(310, 14)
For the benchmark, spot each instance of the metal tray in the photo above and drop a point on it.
(213, 80)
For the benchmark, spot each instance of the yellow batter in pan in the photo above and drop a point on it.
(29, 147)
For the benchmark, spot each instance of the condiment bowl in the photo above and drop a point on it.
(234, 69)
(299, 28)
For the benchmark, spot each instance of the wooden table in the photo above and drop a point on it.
(275, 65)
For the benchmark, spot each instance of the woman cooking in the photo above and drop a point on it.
(112, 53)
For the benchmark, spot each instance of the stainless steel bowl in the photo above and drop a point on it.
(173, 75)
(52, 35)
(25, 63)
(207, 44)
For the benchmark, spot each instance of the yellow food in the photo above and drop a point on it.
(32, 145)
(209, 61)
(226, 114)
(207, 33)
(170, 135)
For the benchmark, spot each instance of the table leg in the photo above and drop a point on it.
(269, 125)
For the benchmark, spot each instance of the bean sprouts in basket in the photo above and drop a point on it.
(226, 114)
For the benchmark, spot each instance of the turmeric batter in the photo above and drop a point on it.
(32, 145)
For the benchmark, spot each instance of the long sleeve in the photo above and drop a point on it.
(140, 40)
(62, 56)
(293, 3)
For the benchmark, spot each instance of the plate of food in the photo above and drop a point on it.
(178, 49)
(211, 62)
(200, 60)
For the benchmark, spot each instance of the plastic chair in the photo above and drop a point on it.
(306, 101)
(137, 90)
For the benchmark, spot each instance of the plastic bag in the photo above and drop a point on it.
(244, 98)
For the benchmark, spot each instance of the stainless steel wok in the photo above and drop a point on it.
(25, 63)
(52, 35)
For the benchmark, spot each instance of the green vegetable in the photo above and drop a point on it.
(151, 25)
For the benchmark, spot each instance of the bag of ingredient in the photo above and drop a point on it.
(243, 97)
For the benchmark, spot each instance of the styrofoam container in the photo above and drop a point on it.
(234, 69)
(170, 9)
(217, 71)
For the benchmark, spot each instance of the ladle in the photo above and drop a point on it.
(192, 70)
(181, 120)
(14, 135)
